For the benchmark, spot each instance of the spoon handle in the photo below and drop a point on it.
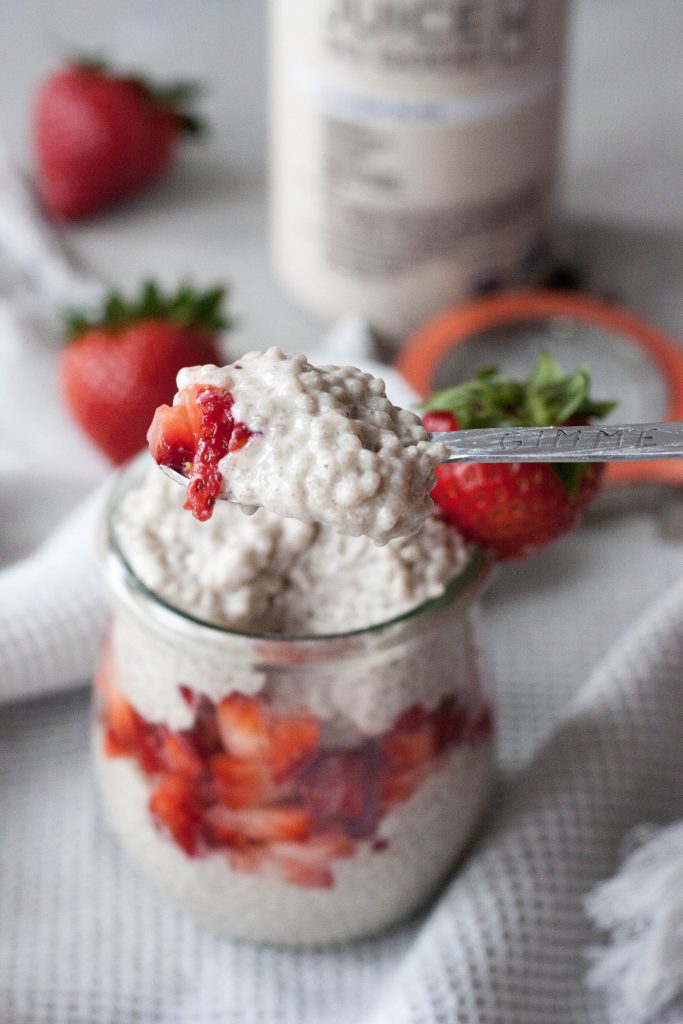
(593, 443)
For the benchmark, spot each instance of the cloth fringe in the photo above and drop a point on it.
(641, 969)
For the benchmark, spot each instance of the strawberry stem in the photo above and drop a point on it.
(177, 97)
(185, 307)
(548, 397)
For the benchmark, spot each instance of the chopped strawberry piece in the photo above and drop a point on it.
(305, 863)
(113, 747)
(243, 727)
(451, 723)
(170, 437)
(122, 719)
(204, 733)
(397, 786)
(242, 783)
(293, 741)
(405, 749)
(182, 756)
(412, 718)
(263, 824)
(309, 876)
(341, 787)
(292, 863)
(188, 695)
(150, 752)
(176, 813)
(213, 443)
(193, 436)
(308, 863)
(332, 844)
(251, 858)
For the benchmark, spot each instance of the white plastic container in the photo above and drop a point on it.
(413, 150)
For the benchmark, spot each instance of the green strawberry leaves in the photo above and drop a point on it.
(178, 97)
(186, 307)
(548, 397)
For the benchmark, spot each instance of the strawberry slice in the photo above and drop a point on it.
(181, 755)
(306, 863)
(175, 812)
(201, 423)
(252, 858)
(341, 787)
(406, 749)
(242, 783)
(329, 845)
(189, 399)
(309, 876)
(170, 437)
(412, 718)
(263, 824)
(397, 786)
(113, 747)
(150, 752)
(204, 733)
(293, 741)
(243, 727)
(299, 865)
(123, 720)
(451, 723)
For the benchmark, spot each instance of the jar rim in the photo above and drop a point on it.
(476, 568)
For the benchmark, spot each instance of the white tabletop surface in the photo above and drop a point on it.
(624, 148)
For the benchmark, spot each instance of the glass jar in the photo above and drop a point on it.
(291, 789)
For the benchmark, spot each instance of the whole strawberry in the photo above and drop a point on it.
(119, 366)
(514, 508)
(100, 137)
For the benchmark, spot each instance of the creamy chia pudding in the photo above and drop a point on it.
(292, 739)
(318, 444)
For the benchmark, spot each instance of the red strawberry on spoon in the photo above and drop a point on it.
(101, 136)
(120, 364)
(514, 508)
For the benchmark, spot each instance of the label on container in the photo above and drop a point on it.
(413, 150)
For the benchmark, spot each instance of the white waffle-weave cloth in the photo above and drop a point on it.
(83, 941)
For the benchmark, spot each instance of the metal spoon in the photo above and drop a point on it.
(624, 442)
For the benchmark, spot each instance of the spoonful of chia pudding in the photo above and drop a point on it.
(325, 444)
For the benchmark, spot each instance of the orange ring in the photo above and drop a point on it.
(424, 350)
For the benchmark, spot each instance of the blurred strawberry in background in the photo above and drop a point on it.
(120, 364)
(100, 136)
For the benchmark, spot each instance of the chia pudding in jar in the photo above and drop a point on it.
(292, 734)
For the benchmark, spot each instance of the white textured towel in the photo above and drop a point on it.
(586, 755)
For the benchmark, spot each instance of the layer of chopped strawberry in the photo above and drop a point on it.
(192, 437)
(256, 785)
